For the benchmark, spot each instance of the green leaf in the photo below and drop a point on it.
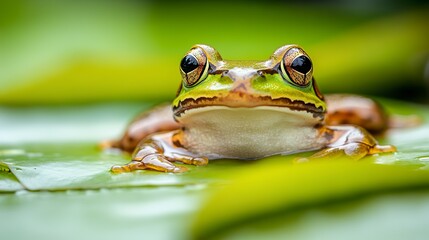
(9, 183)
(275, 187)
(122, 213)
(84, 166)
(277, 191)
(389, 216)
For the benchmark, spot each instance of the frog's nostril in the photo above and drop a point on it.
(260, 74)
(224, 73)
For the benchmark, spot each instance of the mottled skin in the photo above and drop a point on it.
(249, 110)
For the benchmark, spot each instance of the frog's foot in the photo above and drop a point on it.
(151, 156)
(354, 151)
(351, 141)
(155, 162)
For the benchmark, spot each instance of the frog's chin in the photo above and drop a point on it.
(256, 114)
(248, 132)
(203, 104)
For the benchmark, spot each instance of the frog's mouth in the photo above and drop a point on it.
(247, 101)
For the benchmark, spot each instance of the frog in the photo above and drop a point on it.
(239, 109)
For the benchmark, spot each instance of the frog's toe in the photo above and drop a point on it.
(201, 161)
(197, 161)
(160, 163)
(119, 169)
(155, 162)
(354, 151)
(382, 149)
(133, 165)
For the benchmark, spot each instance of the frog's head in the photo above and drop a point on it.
(282, 83)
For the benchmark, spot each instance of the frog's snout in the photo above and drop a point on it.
(241, 74)
(241, 78)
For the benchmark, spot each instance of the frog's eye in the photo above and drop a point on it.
(194, 67)
(296, 66)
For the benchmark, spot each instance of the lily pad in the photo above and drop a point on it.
(83, 166)
(9, 183)
(108, 214)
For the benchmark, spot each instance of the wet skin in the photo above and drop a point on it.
(250, 110)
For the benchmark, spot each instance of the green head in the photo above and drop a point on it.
(285, 80)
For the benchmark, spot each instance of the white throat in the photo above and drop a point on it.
(249, 133)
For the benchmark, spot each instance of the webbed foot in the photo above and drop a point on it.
(351, 141)
(158, 154)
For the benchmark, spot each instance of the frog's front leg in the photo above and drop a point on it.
(348, 140)
(158, 152)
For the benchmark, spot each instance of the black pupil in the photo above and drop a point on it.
(301, 64)
(188, 63)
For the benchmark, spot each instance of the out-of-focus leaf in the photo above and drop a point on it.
(391, 216)
(275, 189)
(108, 214)
(374, 57)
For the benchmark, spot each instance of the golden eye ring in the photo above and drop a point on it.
(296, 67)
(194, 67)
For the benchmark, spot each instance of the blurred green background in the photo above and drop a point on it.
(73, 73)
(61, 52)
